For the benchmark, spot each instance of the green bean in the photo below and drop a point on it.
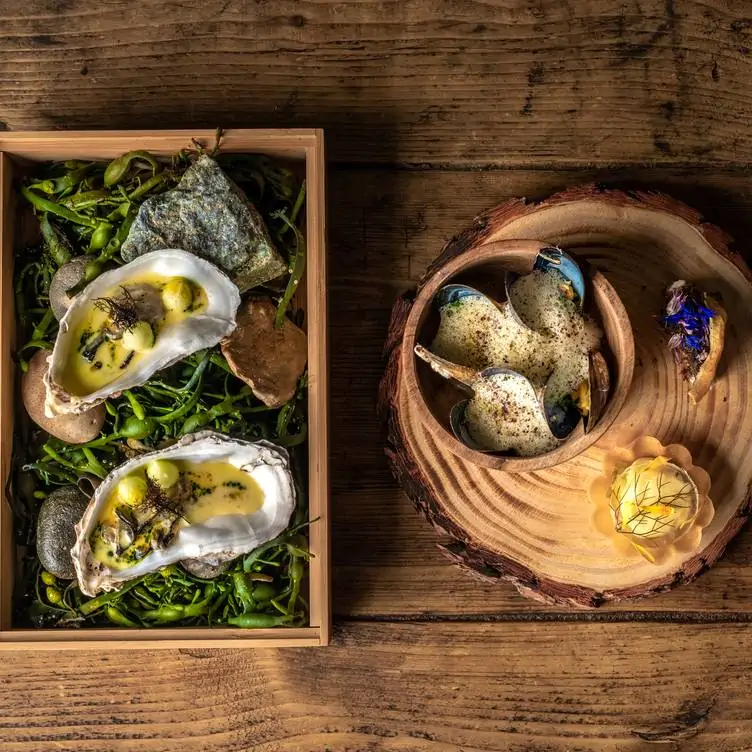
(259, 621)
(55, 241)
(45, 205)
(118, 617)
(117, 169)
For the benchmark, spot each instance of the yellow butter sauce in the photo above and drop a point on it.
(221, 489)
(204, 490)
(112, 359)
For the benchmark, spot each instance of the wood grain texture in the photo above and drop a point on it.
(427, 396)
(406, 688)
(422, 84)
(425, 81)
(534, 528)
(305, 146)
(374, 533)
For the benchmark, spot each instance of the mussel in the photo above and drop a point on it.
(561, 416)
(560, 407)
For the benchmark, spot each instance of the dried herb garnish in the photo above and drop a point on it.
(123, 310)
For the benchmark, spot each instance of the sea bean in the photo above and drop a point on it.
(89, 607)
(133, 428)
(242, 591)
(297, 267)
(263, 592)
(136, 406)
(297, 571)
(155, 181)
(101, 236)
(177, 612)
(189, 404)
(85, 199)
(118, 617)
(259, 621)
(55, 242)
(118, 168)
(226, 406)
(46, 205)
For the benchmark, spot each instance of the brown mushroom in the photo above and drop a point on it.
(268, 359)
(73, 429)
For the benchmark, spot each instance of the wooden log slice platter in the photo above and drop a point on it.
(534, 528)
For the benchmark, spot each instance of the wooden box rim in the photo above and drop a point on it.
(303, 144)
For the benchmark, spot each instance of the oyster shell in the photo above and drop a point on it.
(137, 538)
(175, 333)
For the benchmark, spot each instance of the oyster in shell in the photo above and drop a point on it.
(207, 497)
(133, 321)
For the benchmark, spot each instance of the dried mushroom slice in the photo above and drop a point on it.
(268, 359)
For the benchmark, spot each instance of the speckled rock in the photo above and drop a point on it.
(67, 276)
(60, 512)
(207, 214)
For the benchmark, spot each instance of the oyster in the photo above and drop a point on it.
(207, 497)
(133, 321)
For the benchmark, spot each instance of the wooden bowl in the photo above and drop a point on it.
(484, 268)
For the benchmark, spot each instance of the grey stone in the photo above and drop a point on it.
(207, 214)
(60, 512)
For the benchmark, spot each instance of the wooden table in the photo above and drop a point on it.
(434, 110)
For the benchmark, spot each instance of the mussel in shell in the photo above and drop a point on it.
(558, 392)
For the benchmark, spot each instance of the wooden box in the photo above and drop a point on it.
(303, 146)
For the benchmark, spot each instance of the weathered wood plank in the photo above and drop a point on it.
(442, 81)
(512, 687)
(387, 226)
